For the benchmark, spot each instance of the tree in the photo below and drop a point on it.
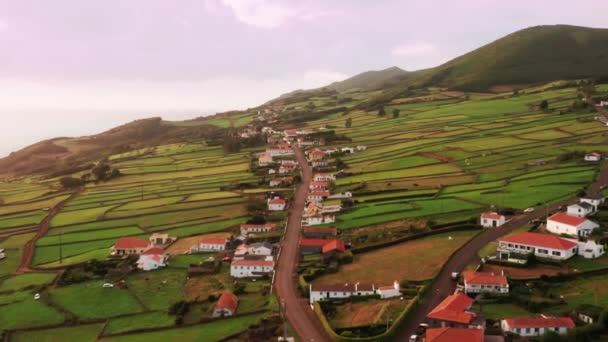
(348, 123)
(396, 113)
(381, 112)
(101, 171)
(544, 105)
(85, 178)
(70, 182)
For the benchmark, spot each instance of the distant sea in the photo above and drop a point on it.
(20, 128)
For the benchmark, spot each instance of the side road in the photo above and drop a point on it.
(299, 314)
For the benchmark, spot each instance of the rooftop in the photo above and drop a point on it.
(454, 335)
(454, 309)
(227, 301)
(567, 219)
(539, 322)
(539, 240)
(486, 278)
(131, 242)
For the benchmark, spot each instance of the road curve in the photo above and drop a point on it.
(299, 314)
(444, 286)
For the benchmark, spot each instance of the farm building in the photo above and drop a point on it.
(593, 157)
(257, 228)
(595, 200)
(454, 335)
(276, 204)
(455, 311)
(316, 155)
(541, 245)
(317, 219)
(152, 259)
(211, 244)
(158, 239)
(265, 159)
(314, 208)
(312, 232)
(579, 209)
(317, 196)
(260, 248)
(536, 326)
(346, 194)
(334, 245)
(324, 177)
(226, 305)
(339, 291)
(318, 185)
(281, 181)
(314, 246)
(130, 246)
(251, 268)
(491, 220)
(478, 282)
(562, 223)
(390, 291)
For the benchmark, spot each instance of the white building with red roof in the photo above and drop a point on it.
(390, 291)
(265, 159)
(536, 326)
(226, 305)
(593, 157)
(541, 245)
(492, 220)
(478, 282)
(321, 292)
(130, 246)
(318, 219)
(152, 259)
(454, 311)
(324, 177)
(318, 186)
(562, 223)
(276, 204)
(317, 196)
(251, 268)
(211, 244)
(316, 155)
(279, 151)
(454, 335)
(257, 228)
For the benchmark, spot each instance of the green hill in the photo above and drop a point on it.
(532, 55)
(371, 79)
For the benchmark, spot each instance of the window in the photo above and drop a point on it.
(543, 251)
(556, 253)
(528, 330)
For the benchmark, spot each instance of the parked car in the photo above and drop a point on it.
(108, 285)
(37, 296)
(414, 338)
(454, 275)
(528, 210)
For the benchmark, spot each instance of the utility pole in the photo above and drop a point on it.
(60, 245)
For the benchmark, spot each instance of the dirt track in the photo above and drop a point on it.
(299, 314)
(43, 228)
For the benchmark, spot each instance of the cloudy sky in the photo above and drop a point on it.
(74, 67)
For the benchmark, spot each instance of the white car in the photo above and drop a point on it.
(528, 210)
(108, 285)
(37, 296)
(414, 338)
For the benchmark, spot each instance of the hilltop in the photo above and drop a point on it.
(370, 80)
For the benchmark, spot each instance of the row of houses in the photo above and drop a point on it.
(320, 292)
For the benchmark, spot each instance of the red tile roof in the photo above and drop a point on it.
(130, 243)
(277, 201)
(453, 309)
(539, 240)
(319, 194)
(252, 263)
(540, 322)
(454, 335)
(227, 301)
(314, 242)
(485, 278)
(246, 226)
(319, 184)
(154, 251)
(567, 219)
(492, 216)
(334, 245)
(213, 240)
(313, 230)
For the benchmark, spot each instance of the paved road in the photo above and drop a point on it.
(444, 286)
(301, 317)
(43, 228)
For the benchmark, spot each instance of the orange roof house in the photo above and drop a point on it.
(454, 309)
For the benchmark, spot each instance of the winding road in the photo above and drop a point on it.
(297, 310)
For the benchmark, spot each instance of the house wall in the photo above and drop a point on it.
(527, 332)
(525, 249)
(211, 247)
(561, 228)
(575, 210)
(479, 288)
(247, 271)
(223, 312)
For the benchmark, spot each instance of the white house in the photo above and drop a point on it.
(541, 245)
(324, 177)
(348, 149)
(279, 151)
(265, 159)
(478, 282)
(318, 185)
(595, 200)
(386, 292)
(152, 259)
(593, 157)
(490, 220)
(346, 194)
(317, 196)
(536, 326)
(317, 219)
(319, 292)
(276, 204)
(211, 244)
(257, 228)
(260, 248)
(226, 305)
(251, 268)
(562, 223)
(589, 249)
(580, 209)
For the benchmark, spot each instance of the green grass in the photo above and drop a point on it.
(154, 319)
(26, 280)
(90, 300)
(89, 236)
(159, 289)
(78, 216)
(210, 332)
(502, 311)
(27, 314)
(83, 333)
